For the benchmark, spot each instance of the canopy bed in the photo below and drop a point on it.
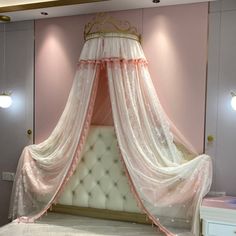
(69, 168)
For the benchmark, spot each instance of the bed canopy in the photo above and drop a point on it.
(168, 186)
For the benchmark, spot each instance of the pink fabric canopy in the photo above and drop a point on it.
(167, 185)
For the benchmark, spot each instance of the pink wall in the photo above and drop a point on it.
(175, 44)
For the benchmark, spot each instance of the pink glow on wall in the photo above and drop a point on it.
(175, 44)
(174, 40)
(58, 42)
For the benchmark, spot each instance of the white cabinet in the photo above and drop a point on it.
(218, 228)
(218, 216)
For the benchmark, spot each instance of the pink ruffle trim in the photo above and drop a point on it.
(141, 61)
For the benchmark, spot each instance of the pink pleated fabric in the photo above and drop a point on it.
(167, 185)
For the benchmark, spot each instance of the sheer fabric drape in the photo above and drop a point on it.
(44, 169)
(168, 187)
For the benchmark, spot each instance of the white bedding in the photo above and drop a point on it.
(68, 225)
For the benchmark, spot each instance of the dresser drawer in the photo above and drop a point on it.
(221, 229)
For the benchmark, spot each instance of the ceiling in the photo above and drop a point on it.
(31, 9)
(4, 3)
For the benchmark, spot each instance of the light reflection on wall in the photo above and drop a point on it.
(53, 67)
(54, 47)
(175, 44)
(168, 59)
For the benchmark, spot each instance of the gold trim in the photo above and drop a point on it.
(101, 213)
(103, 24)
(112, 35)
(5, 94)
(58, 3)
(233, 94)
(5, 18)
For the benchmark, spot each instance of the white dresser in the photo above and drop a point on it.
(218, 216)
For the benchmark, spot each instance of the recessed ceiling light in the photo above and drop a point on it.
(44, 13)
(5, 18)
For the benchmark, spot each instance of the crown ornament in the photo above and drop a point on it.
(103, 23)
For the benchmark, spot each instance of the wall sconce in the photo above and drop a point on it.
(5, 97)
(5, 100)
(233, 100)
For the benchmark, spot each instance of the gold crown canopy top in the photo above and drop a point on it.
(103, 24)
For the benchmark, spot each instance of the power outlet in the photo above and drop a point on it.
(8, 176)
(216, 194)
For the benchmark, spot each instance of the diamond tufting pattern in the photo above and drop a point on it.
(99, 180)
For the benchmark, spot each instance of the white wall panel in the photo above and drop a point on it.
(18, 77)
(221, 119)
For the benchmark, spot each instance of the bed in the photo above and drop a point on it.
(96, 201)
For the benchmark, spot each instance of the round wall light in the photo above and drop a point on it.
(233, 101)
(5, 100)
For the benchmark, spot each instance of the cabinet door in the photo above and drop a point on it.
(16, 76)
(220, 229)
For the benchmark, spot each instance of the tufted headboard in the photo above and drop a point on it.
(99, 186)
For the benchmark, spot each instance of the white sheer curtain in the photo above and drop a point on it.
(168, 187)
(44, 169)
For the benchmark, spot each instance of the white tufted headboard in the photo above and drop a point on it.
(99, 186)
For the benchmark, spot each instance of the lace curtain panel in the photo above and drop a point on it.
(168, 186)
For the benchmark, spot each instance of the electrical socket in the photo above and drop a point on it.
(8, 176)
(216, 194)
